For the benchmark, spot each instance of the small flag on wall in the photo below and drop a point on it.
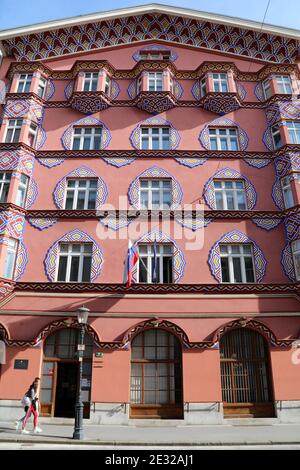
(132, 259)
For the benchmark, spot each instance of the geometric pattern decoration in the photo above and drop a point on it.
(89, 103)
(21, 261)
(268, 139)
(177, 256)
(235, 236)
(50, 162)
(155, 47)
(292, 227)
(258, 91)
(223, 122)
(3, 91)
(132, 88)
(67, 136)
(266, 224)
(187, 220)
(191, 162)
(177, 89)
(74, 236)
(258, 162)
(41, 138)
(241, 90)
(31, 193)
(155, 102)
(69, 89)
(221, 103)
(115, 90)
(135, 137)
(228, 173)
(41, 223)
(116, 223)
(152, 26)
(29, 108)
(277, 195)
(282, 110)
(196, 91)
(285, 164)
(154, 172)
(50, 90)
(11, 224)
(118, 162)
(59, 192)
(287, 262)
(17, 160)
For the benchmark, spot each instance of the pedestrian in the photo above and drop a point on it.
(33, 395)
(26, 403)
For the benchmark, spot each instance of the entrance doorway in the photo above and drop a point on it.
(66, 389)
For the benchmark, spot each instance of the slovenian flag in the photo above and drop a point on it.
(132, 259)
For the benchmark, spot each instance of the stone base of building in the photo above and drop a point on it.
(288, 411)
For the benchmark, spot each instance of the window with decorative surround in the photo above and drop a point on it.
(266, 86)
(24, 83)
(230, 195)
(237, 263)
(22, 190)
(5, 178)
(296, 257)
(203, 87)
(81, 194)
(155, 80)
(283, 84)
(155, 267)
(13, 130)
(293, 128)
(90, 82)
(155, 138)
(87, 138)
(287, 192)
(32, 135)
(74, 262)
(41, 87)
(220, 83)
(10, 259)
(153, 55)
(107, 88)
(223, 139)
(155, 193)
(276, 135)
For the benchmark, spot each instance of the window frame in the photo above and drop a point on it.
(281, 82)
(150, 135)
(266, 87)
(24, 81)
(293, 128)
(227, 137)
(22, 190)
(287, 192)
(72, 254)
(82, 136)
(15, 128)
(218, 80)
(148, 258)
(75, 192)
(42, 85)
(91, 81)
(296, 253)
(234, 190)
(4, 184)
(12, 248)
(241, 255)
(155, 81)
(161, 190)
(275, 130)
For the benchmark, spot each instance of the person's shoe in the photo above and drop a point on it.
(24, 431)
(37, 430)
(17, 424)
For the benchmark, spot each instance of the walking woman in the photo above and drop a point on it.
(33, 395)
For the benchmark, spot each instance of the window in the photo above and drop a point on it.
(294, 131)
(276, 136)
(230, 195)
(155, 81)
(24, 83)
(283, 84)
(4, 185)
(287, 192)
(266, 88)
(171, 85)
(107, 85)
(32, 134)
(75, 262)
(81, 194)
(237, 263)
(162, 55)
(203, 87)
(164, 264)
(22, 189)
(90, 82)
(139, 84)
(223, 139)
(10, 259)
(87, 138)
(296, 257)
(220, 82)
(155, 138)
(13, 130)
(155, 194)
(41, 87)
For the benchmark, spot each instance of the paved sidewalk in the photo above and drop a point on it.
(226, 434)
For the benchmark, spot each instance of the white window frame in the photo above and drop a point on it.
(266, 86)
(224, 135)
(10, 259)
(5, 179)
(89, 81)
(82, 136)
(151, 136)
(220, 79)
(15, 126)
(275, 131)
(293, 128)
(139, 84)
(33, 131)
(22, 82)
(287, 192)
(241, 255)
(203, 87)
(284, 81)
(295, 245)
(155, 81)
(234, 191)
(149, 256)
(22, 191)
(161, 190)
(76, 189)
(107, 87)
(41, 87)
(69, 254)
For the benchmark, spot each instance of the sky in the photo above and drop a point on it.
(15, 13)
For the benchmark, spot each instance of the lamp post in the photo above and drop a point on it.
(82, 316)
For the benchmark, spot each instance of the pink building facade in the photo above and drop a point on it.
(181, 132)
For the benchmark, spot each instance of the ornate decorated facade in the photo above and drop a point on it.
(179, 131)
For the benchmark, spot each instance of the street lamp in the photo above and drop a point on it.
(82, 316)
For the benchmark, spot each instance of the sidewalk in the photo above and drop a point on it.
(227, 434)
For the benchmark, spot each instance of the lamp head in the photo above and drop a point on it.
(82, 314)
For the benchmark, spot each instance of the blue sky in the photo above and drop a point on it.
(14, 13)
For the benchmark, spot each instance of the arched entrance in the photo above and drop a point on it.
(60, 374)
(246, 375)
(156, 375)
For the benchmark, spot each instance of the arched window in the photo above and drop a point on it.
(156, 375)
